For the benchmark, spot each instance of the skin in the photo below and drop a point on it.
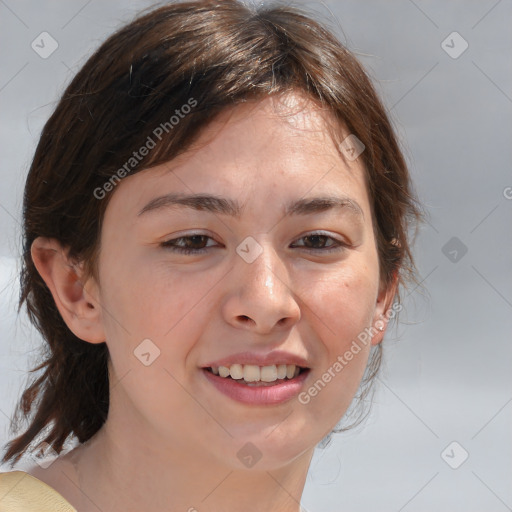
(171, 439)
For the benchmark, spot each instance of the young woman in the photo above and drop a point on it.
(215, 238)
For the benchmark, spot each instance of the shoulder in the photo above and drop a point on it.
(21, 491)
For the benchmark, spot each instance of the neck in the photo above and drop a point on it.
(118, 469)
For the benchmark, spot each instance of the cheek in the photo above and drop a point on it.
(343, 307)
(155, 302)
(345, 303)
(154, 319)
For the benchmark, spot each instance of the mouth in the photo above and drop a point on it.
(254, 375)
(258, 385)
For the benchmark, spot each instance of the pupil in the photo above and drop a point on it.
(196, 240)
(316, 238)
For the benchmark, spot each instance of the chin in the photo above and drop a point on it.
(268, 449)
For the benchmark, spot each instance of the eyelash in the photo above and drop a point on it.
(170, 244)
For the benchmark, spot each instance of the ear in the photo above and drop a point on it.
(78, 307)
(383, 305)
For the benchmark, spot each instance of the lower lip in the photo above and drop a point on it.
(258, 395)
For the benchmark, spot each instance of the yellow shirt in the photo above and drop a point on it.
(21, 492)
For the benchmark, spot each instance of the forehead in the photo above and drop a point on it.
(278, 148)
(278, 123)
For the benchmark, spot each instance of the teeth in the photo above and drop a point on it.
(254, 373)
(236, 371)
(269, 373)
(223, 371)
(251, 373)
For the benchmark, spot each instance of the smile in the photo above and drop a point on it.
(255, 385)
(249, 373)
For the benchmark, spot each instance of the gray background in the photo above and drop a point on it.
(446, 375)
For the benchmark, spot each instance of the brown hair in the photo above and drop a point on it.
(219, 53)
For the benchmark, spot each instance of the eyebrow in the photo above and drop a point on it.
(225, 206)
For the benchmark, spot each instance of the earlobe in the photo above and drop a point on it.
(79, 309)
(383, 305)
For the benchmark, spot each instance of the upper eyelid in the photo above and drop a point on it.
(304, 235)
(321, 233)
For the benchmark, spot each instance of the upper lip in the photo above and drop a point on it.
(260, 359)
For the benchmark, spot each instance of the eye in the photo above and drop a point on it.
(196, 243)
(192, 244)
(320, 239)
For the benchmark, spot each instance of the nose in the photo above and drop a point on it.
(260, 298)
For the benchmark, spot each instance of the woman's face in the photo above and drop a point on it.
(284, 280)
